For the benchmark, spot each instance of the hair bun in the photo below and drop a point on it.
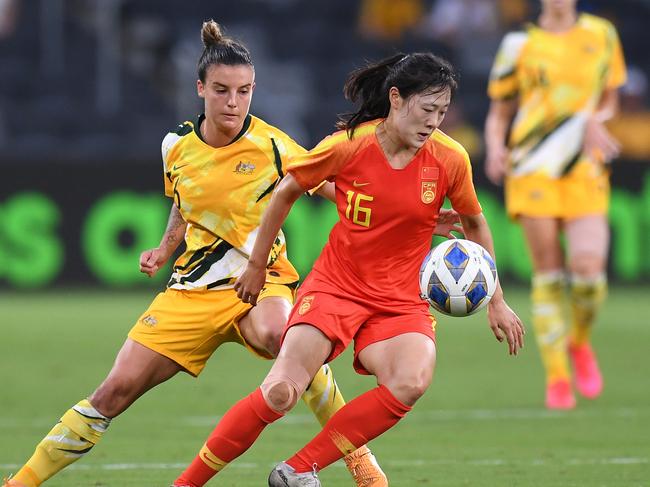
(211, 33)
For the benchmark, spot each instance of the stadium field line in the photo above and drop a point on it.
(487, 462)
(441, 415)
(463, 415)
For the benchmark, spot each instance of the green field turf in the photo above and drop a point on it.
(481, 423)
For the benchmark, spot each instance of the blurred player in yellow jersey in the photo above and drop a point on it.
(558, 79)
(220, 172)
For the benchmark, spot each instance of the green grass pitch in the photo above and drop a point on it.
(481, 423)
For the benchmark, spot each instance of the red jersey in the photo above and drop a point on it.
(386, 215)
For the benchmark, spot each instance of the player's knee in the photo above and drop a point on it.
(114, 396)
(409, 388)
(270, 338)
(281, 396)
(586, 266)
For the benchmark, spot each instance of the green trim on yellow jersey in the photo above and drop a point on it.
(244, 129)
(222, 192)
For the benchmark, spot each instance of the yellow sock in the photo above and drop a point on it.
(323, 395)
(548, 322)
(78, 430)
(587, 294)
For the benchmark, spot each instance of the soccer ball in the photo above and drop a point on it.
(458, 277)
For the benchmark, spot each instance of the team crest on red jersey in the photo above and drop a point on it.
(305, 304)
(428, 193)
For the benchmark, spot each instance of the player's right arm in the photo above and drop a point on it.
(153, 259)
(250, 283)
(598, 142)
(305, 171)
(503, 90)
(497, 124)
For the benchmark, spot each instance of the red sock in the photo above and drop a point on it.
(355, 424)
(233, 435)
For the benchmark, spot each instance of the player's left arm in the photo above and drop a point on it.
(462, 194)
(503, 320)
(598, 141)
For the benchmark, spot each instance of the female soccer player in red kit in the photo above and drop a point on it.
(392, 169)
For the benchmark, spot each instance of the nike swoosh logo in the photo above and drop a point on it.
(210, 462)
(176, 167)
(358, 185)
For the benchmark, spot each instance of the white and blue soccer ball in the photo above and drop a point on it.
(458, 277)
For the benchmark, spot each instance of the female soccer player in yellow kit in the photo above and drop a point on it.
(220, 173)
(558, 79)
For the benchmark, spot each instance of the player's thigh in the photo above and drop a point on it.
(188, 326)
(307, 345)
(304, 350)
(588, 244)
(262, 327)
(533, 195)
(585, 191)
(141, 363)
(403, 363)
(543, 239)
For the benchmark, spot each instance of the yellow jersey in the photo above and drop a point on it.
(222, 192)
(558, 80)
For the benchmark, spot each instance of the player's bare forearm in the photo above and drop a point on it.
(496, 128)
(608, 106)
(174, 233)
(287, 192)
(503, 321)
(477, 230)
(249, 284)
(497, 123)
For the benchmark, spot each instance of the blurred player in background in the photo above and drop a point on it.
(392, 169)
(220, 173)
(558, 78)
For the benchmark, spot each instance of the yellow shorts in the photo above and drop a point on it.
(188, 326)
(568, 197)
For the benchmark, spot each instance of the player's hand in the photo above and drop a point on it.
(496, 164)
(506, 324)
(151, 260)
(250, 283)
(448, 221)
(599, 143)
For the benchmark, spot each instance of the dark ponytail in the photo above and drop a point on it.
(219, 49)
(410, 74)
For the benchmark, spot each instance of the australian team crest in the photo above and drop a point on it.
(149, 320)
(428, 193)
(246, 168)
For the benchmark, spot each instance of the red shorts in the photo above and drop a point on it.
(342, 320)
